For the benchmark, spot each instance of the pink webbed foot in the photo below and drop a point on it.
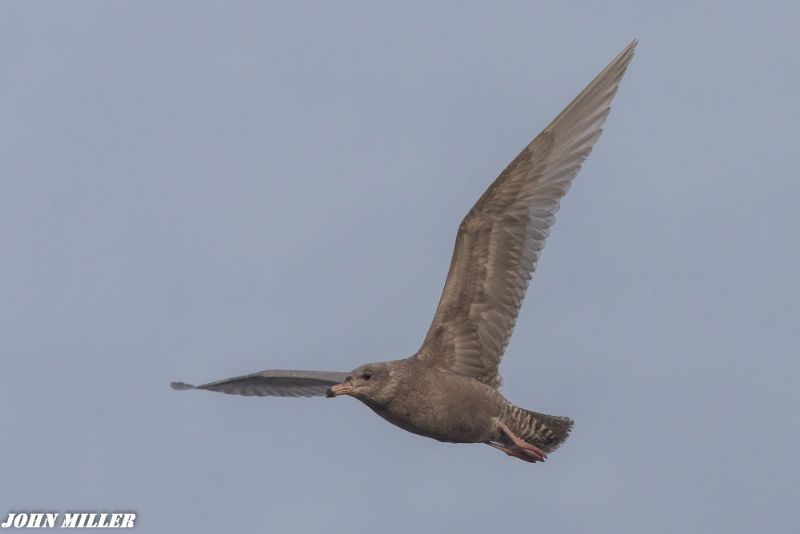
(520, 448)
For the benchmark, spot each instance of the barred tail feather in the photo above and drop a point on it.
(547, 432)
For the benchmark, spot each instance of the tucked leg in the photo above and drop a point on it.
(514, 451)
(520, 448)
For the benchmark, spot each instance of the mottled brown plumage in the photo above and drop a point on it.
(448, 390)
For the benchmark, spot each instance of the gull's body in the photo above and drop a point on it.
(448, 390)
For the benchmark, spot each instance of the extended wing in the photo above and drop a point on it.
(274, 384)
(500, 239)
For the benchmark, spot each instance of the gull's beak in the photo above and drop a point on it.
(345, 388)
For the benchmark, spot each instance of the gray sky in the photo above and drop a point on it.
(195, 190)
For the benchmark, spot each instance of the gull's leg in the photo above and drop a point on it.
(514, 451)
(521, 448)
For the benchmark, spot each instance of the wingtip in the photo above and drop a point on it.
(620, 63)
(629, 50)
(180, 386)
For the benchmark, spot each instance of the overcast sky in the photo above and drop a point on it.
(197, 190)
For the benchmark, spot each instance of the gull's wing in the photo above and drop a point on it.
(274, 384)
(500, 239)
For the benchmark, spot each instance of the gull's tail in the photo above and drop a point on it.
(547, 432)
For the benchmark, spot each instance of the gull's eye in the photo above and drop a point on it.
(366, 376)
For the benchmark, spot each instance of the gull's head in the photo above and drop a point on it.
(369, 382)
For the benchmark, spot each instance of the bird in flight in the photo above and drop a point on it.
(449, 389)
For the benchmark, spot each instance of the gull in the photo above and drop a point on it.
(449, 389)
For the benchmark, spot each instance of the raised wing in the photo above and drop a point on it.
(274, 384)
(500, 239)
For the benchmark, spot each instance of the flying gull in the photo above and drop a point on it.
(448, 390)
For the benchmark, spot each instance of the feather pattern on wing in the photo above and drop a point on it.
(500, 239)
(274, 384)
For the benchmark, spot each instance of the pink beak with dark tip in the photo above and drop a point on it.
(344, 388)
